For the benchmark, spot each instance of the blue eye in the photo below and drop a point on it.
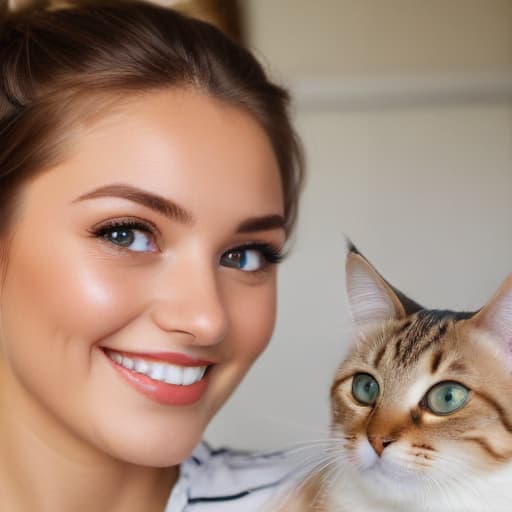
(251, 258)
(447, 397)
(130, 235)
(365, 388)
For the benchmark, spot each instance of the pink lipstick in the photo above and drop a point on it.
(165, 377)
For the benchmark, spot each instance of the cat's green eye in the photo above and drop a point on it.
(447, 397)
(365, 388)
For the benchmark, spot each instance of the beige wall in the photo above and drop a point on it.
(420, 179)
(367, 37)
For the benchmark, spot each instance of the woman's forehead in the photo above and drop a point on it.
(181, 145)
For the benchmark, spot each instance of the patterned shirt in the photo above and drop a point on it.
(229, 481)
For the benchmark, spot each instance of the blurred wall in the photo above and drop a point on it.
(373, 37)
(405, 109)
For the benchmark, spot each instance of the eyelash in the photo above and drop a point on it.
(107, 227)
(271, 253)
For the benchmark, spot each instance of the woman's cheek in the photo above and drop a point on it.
(101, 299)
(70, 294)
(253, 314)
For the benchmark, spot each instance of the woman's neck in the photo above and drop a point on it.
(46, 469)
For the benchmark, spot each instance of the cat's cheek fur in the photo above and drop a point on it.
(364, 455)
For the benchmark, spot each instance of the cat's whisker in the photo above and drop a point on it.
(297, 448)
(320, 466)
(449, 477)
(436, 487)
(312, 446)
(327, 480)
(315, 461)
(310, 451)
(447, 488)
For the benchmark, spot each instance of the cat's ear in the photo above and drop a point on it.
(496, 317)
(372, 299)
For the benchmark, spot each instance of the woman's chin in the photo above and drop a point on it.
(156, 440)
(154, 452)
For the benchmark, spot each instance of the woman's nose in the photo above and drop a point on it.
(191, 302)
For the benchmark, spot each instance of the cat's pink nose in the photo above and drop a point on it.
(379, 443)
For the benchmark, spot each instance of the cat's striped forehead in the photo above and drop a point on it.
(416, 335)
(407, 358)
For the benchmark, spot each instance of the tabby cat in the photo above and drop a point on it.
(421, 415)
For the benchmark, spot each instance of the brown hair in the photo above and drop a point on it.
(56, 63)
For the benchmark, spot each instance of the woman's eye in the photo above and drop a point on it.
(251, 257)
(248, 260)
(447, 397)
(365, 388)
(136, 238)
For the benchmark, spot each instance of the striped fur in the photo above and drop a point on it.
(397, 455)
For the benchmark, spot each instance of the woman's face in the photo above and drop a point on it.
(143, 258)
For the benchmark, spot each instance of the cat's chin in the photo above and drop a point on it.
(390, 482)
(391, 473)
(388, 473)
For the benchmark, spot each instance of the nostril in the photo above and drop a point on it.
(379, 443)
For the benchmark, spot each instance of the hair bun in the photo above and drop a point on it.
(17, 5)
(22, 5)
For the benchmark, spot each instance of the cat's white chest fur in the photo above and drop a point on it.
(491, 493)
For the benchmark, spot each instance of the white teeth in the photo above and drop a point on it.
(141, 366)
(118, 358)
(174, 374)
(163, 372)
(127, 363)
(157, 371)
(190, 375)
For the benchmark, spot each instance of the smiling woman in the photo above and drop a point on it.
(148, 178)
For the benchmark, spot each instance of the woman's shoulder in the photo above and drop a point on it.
(229, 480)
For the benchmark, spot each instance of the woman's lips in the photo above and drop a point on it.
(165, 377)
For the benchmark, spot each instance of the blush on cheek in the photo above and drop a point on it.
(75, 296)
(99, 301)
(259, 340)
(252, 315)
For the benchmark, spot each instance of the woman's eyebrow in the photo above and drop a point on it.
(264, 223)
(173, 210)
(148, 199)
